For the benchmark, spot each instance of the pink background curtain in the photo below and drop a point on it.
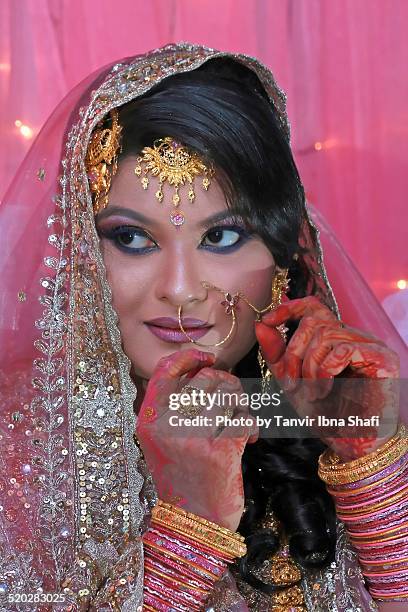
(343, 64)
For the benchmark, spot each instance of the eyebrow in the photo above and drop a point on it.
(220, 216)
(128, 212)
(137, 216)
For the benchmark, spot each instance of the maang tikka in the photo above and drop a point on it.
(173, 163)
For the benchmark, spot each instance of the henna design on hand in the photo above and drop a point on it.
(321, 349)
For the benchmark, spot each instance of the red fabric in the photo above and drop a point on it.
(342, 63)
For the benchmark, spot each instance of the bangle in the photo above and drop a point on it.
(333, 471)
(371, 495)
(343, 494)
(202, 530)
(184, 555)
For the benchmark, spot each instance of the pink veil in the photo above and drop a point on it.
(73, 492)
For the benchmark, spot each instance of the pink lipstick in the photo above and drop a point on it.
(168, 329)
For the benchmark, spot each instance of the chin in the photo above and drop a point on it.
(144, 369)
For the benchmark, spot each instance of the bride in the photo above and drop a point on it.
(156, 241)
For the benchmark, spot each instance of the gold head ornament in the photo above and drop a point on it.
(102, 160)
(173, 163)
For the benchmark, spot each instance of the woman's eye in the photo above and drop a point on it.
(222, 238)
(131, 238)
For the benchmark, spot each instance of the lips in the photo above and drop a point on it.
(168, 329)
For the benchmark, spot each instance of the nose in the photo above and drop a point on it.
(180, 282)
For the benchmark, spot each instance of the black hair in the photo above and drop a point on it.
(222, 112)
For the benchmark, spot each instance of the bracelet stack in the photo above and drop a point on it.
(184, 555)
(371, 497)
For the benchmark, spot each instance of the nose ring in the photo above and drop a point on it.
(229, 302)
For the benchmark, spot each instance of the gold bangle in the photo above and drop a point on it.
(189, 516)
(372, 467)
(199, 519)
(335, 460)
(222, 539)
(204, 536)
(332, 471)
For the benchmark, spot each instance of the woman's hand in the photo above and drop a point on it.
(321, 349)
(197, 468)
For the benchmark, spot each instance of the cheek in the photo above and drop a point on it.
(127, 281)
(257, 287)
(251, 274)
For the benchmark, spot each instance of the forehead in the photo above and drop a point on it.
(127, 191)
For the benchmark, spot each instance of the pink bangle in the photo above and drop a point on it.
(346, 493)
(375, 512)
(209, 552)
(158, 590)
(195, 584)
(378, 532)
(190, 556)
(370, 545)
(180, 572)
(185, 570)
(175, 584)
(401, 594)
(355, 517)
(375, 523)
(377, 498)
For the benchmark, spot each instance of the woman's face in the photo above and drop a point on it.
(153, 266)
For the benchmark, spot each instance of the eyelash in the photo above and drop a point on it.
(114, 234)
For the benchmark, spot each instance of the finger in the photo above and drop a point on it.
(325, 339)
(371, 360)
(165, 379)
(363, 336)
(229, 391)
(296, 309)
(221, 390)
(246, 431)
(213, 379)
(299, 345)
(253, 428)
(271, 342)
(315, 353)
(311, 343)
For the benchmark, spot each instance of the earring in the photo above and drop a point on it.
(279, 286)
(102, 160)
(266, 374)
